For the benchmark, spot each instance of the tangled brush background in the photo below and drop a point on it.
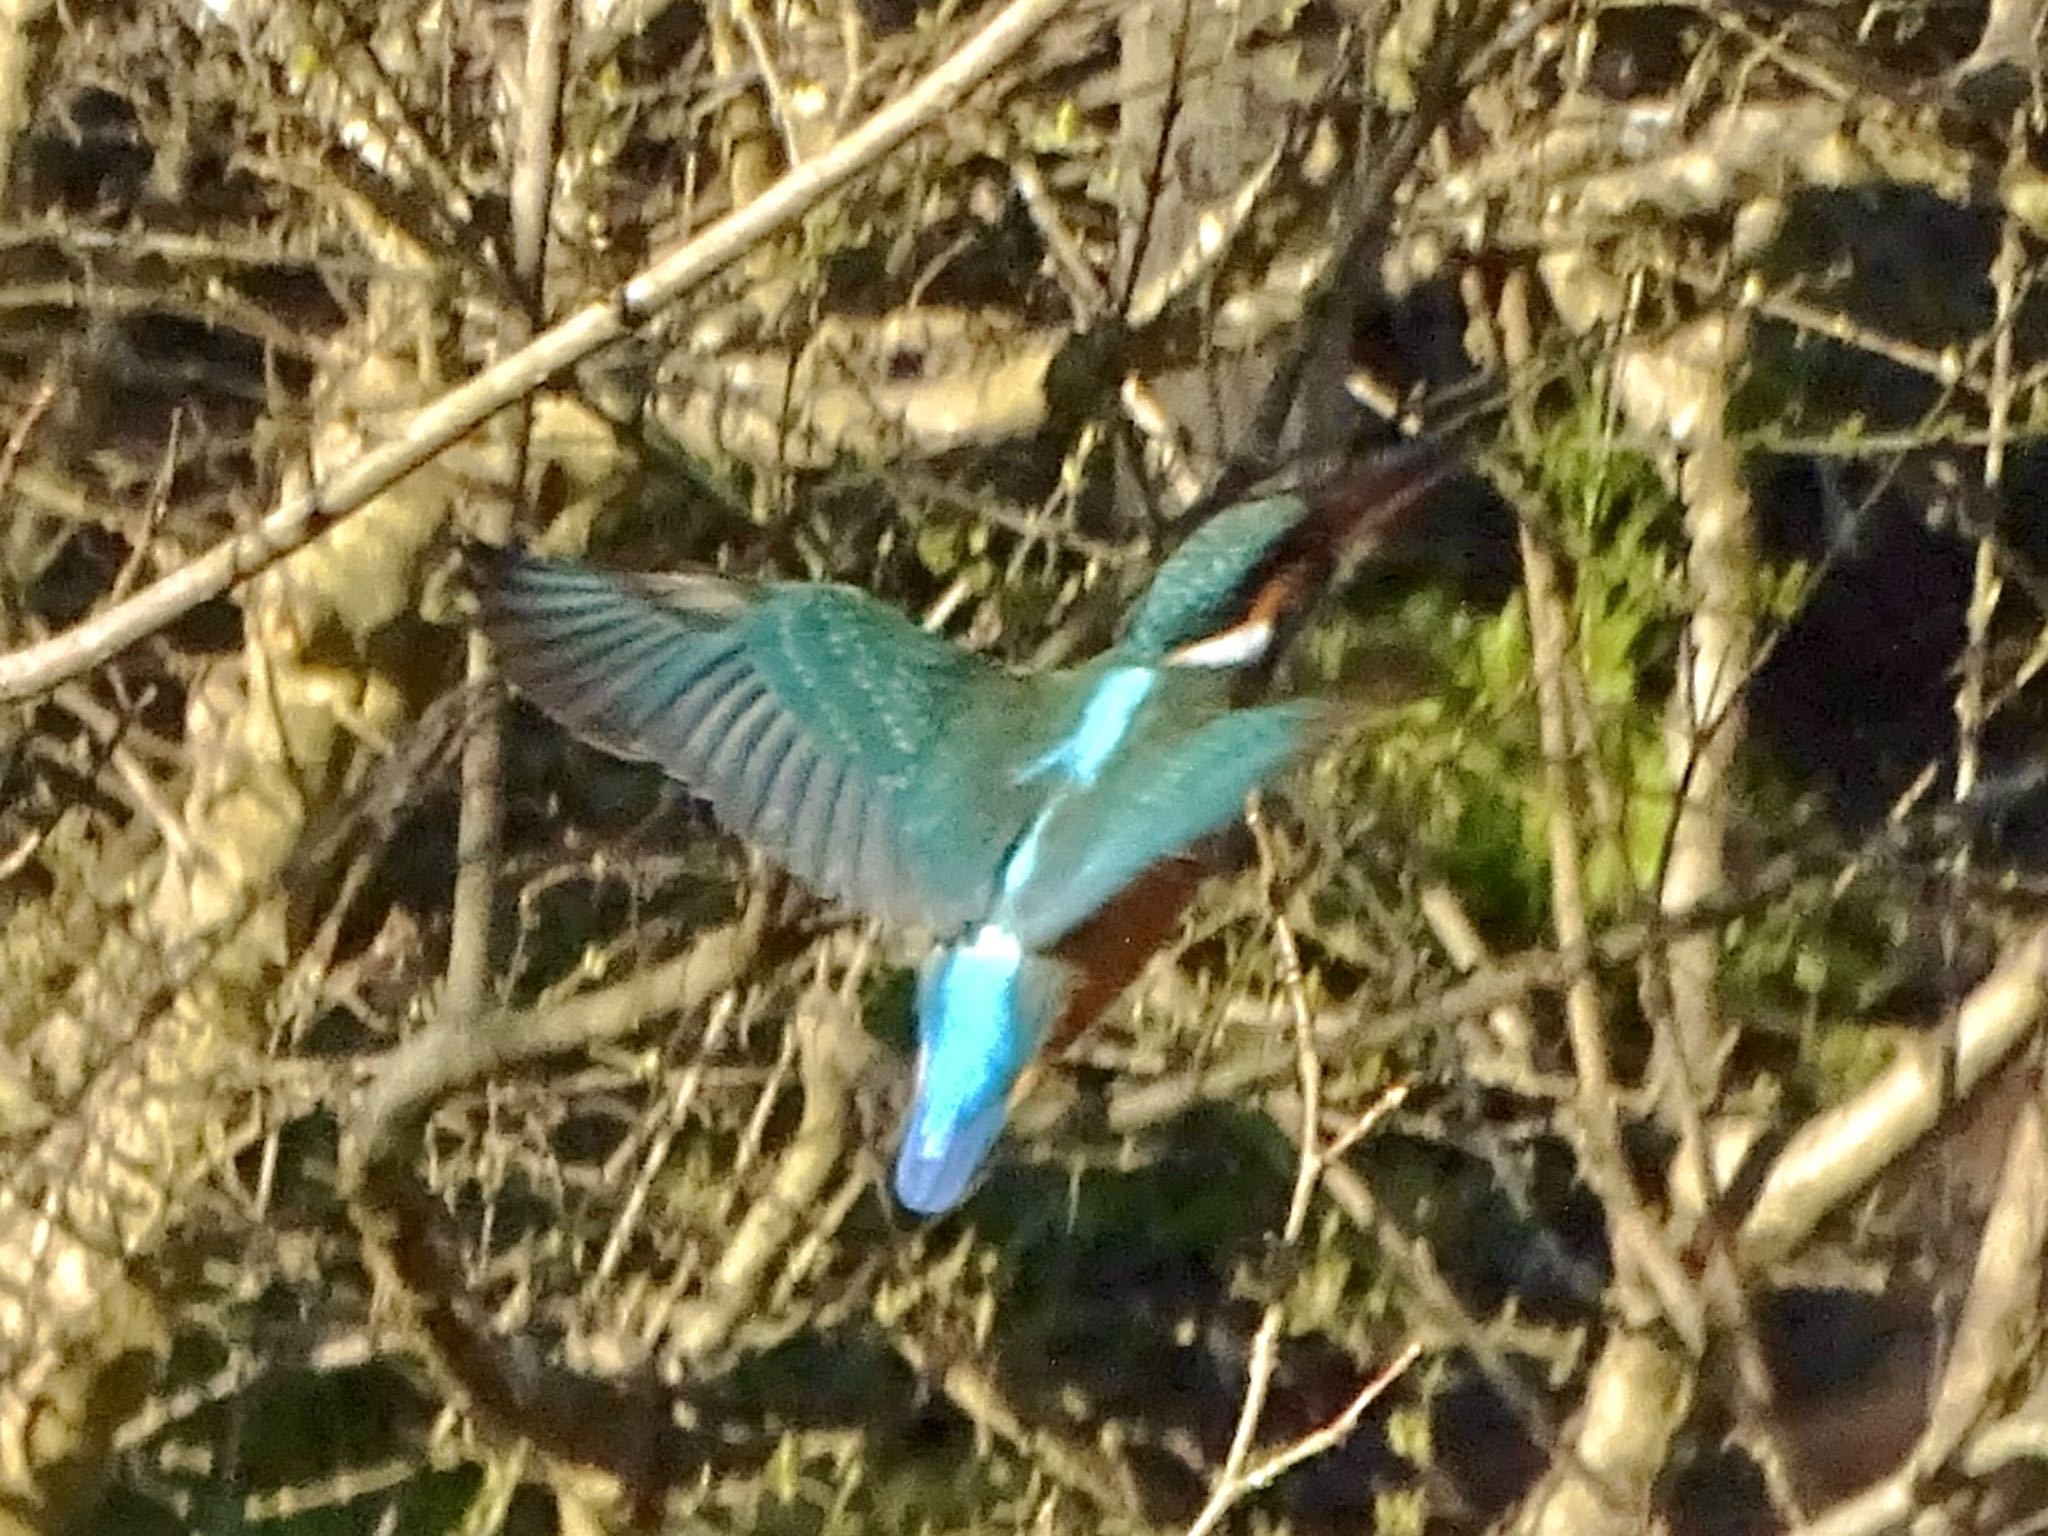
(1605, 1098)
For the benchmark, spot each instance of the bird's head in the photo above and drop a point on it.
(1236, 587)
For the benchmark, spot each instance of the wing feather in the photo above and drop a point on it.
(724, 773)
(678, 741)
(810, 829)
(771, 752)
(1150, 804)
(800, 712)
(841, 846)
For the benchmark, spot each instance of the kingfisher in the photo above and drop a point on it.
(1046, 827)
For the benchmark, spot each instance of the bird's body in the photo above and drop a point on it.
(1039, 824)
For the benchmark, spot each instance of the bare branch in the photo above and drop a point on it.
(303, 517)
(1838, 1153)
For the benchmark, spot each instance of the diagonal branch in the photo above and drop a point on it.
(304, 516)
(1842, 1150)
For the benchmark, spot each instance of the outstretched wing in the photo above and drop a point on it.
(799, 712)
(1151, 803)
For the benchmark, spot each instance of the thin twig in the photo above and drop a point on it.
(480, 824)
(450, 1053)
(771, 79)
(307, 514)
(1594, 1126)
(1314, 1443)
(1234, 1482)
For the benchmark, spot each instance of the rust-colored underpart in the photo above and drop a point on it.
(1109, 950)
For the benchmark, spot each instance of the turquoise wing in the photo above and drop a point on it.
(1151, 803)
(799, 712)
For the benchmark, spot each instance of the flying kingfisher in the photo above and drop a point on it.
(1042, 825)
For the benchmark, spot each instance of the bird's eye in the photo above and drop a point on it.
(906, 363)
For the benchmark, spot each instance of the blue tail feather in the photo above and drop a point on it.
(938, 1160)
(983, 1009)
